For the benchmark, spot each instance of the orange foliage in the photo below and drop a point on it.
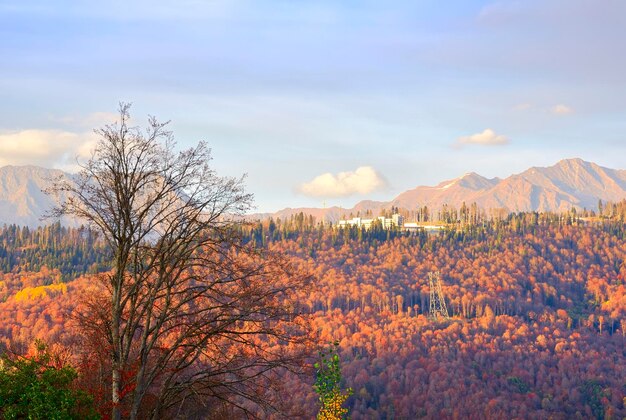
(539, 312)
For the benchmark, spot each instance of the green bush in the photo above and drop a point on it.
(32, 388)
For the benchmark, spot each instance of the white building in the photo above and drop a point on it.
(414, 226)
(395, 220)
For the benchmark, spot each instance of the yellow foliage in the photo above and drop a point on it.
(40, 292)
(333, 406)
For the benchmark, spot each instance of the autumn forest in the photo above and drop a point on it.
(537, 306)
(312, 210)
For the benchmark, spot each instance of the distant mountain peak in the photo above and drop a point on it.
(469, 180)
(571, 182)
(22, 200)
(572, 160)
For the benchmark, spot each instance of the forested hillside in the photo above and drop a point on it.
(73, 251)
(537, 305)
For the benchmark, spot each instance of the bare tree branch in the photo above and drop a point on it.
(192, 312)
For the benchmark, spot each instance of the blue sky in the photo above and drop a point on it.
(323, 101)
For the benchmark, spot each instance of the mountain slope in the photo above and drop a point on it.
(569, 183)
(467, 188)
(22, 200)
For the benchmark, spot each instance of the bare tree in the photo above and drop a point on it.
(193, 314)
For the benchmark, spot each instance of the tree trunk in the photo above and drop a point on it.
(134, 411)
(115, 354)
(139, 390)
(115, 391)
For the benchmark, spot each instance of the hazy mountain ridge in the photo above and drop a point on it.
(569, 183)
(22, 199)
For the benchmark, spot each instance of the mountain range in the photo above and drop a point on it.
(569, 183)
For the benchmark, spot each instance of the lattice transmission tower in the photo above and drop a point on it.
(438, 308)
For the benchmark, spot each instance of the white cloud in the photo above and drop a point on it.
(487, 138)
(363, 180)
(48, 148)
(562, 109)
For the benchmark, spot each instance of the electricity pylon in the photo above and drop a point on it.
(438, 306)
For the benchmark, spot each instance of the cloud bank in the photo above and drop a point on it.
(48, 148)
(487, 138)
(363, 180)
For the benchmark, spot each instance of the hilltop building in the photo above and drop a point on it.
(415, 226)
(395, 220)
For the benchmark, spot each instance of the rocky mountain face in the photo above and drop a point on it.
(569, 183)
(22, 200)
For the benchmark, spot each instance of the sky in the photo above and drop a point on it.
(322, 103)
